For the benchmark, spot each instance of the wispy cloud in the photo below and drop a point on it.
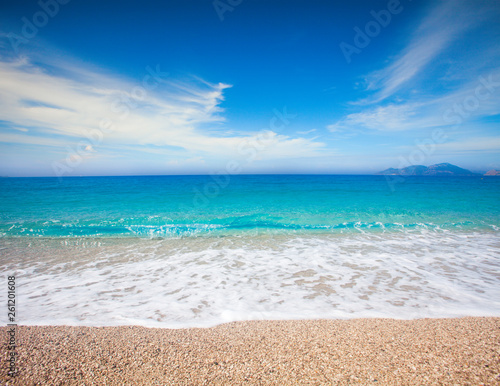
(476, 99)
(57, 104)
(444, 24)
(393, 103)
(306, 132)
(44, 103)
(383, 118)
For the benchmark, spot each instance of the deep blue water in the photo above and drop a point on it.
(165, 206)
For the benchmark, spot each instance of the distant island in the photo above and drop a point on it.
(444, 169)
(492, 172)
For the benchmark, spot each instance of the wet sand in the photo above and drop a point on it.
(316, 352)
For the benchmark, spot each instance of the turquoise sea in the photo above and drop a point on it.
(179, 251)
(181, 206)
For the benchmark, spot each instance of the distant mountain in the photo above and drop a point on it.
(444, 169)
(492, 172)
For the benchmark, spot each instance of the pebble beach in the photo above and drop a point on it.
(457, 351)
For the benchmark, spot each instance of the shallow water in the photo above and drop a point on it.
(205, 281)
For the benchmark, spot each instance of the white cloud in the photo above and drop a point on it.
(382, 118)
(61, 107)
(444, 24)
(476, 99)
(449, 99)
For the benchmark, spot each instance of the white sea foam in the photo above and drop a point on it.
(206, 281)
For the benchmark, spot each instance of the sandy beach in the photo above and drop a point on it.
(360, 351)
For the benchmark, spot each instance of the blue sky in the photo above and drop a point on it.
(247, 86)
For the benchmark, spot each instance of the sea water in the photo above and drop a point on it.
(183, 251)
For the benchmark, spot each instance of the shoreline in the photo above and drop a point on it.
(362, 351)
(342, 229)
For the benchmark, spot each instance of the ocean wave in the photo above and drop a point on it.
(146, 228)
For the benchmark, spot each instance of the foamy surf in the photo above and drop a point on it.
(204, 281)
